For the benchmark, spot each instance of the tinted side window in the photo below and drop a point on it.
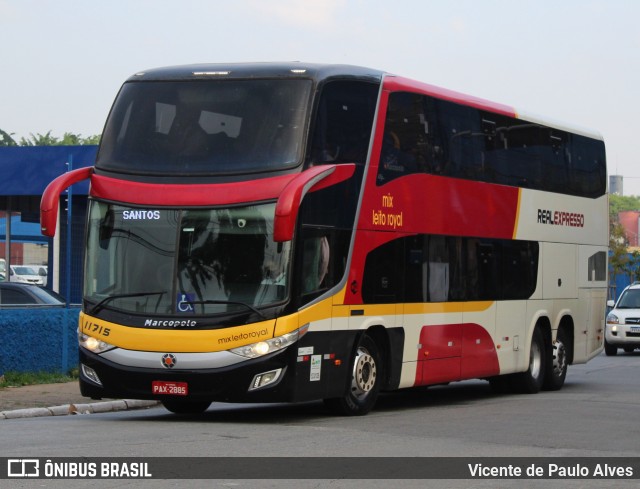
(323, 255)
(382, 282)
(326, 224)
(11, 296)
(343, 122)
(424, 134)
(431, 268)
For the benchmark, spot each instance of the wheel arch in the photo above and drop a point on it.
(543, 323)
(390, 342)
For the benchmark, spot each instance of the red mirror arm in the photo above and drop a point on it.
(51, 198)
(291, 197)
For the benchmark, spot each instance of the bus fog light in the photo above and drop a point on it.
(264, 379)
(90, 374)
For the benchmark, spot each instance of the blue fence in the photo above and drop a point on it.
(43, 339)
(38, 339)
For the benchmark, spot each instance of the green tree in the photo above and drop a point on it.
(6, 139)
(633, 266)
(68, 139)
(39, 140)
(618, 256)
(619, 203)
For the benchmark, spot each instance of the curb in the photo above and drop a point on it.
(67, 409)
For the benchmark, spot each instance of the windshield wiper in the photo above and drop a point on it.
(248, 306)
(106, 300)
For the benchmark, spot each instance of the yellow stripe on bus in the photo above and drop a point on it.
(447, 307)
(210, 340)
(175, 340)
(515, 224)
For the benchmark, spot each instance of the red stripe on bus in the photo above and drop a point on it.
(452, 352)
(157, 194)
(421, 203)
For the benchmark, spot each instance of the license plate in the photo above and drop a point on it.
(635, 329)
(162, 387)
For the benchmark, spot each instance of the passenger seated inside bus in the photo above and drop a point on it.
(394, 162)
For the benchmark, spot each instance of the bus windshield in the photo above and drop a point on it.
(175, 262)
(205, 127)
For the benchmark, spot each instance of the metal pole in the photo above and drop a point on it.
(7, 245)
(65, 340)
(69, 215)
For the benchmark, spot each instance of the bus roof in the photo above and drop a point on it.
(294, 69)
(321, 72)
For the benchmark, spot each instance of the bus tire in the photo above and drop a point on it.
(364, 385)
(557, 365)
(530, 382)
(186, 407)
(609, 349)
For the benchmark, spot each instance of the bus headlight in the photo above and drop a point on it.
(93, 344)
(261, 348)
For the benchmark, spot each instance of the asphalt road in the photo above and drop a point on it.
(594, 415)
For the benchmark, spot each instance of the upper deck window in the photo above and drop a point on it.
(423, 134)
(206, 127)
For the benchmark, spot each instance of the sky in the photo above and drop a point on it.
(574, 61)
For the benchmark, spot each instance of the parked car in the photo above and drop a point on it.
(622, 329)
(41, 270)
(17, 294)
(25, 274)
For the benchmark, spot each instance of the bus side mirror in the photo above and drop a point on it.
(51, 198)
(288, 204)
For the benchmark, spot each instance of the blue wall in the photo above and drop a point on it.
(27, 170)
(38, 339)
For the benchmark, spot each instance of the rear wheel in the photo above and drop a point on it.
(558, 364)
(609, 349)
(186, 407)
(366, 377)
(531, 381)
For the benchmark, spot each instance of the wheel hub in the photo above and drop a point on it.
(364, 374)
(559, 358)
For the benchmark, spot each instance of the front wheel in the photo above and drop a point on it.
(186, 407)
(609, 349)
(366, 377)
(531, 381)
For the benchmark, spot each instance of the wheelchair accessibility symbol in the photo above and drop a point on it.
(185, 303)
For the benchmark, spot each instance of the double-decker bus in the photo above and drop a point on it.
(292, 232)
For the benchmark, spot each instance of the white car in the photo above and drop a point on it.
(623, 322)
(25, 275)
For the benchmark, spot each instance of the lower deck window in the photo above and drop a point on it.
(433, 268)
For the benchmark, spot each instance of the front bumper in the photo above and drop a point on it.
(622, 335)
(315, 374)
